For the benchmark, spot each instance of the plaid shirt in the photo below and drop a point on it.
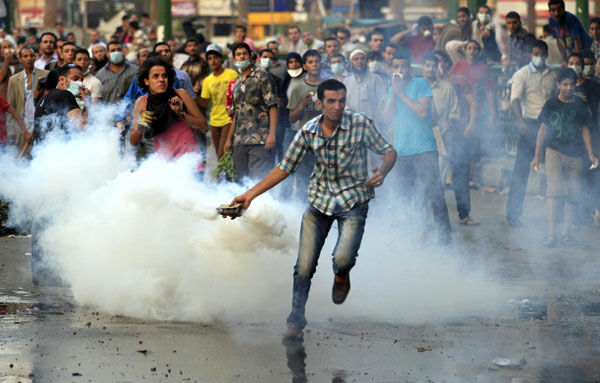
(341, 160)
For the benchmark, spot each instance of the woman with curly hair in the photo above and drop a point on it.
(164, 119)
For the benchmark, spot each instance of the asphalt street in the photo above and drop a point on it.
(547, 330)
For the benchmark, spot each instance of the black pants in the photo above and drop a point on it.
(460, 162)
(520, 174)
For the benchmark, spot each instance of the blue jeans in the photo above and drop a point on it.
(314, 230)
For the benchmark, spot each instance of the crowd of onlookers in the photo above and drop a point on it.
(429, 89)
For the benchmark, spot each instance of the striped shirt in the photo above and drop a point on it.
(340, 171)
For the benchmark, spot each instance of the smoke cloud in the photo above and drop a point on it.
(145, 241)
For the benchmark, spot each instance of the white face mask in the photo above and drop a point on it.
(588, 70)
(577, 69)
(266, 63)
(483, 18)
(337, 68)
(294, 72)
(538, 61)
(374, 66)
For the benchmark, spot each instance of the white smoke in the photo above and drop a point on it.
(146, 242)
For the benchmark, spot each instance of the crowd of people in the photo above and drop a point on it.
(423, 99)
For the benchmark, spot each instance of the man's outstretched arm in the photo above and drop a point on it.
(272, 179)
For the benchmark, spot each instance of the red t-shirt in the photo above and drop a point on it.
(478, 74)
(420, 46)
(3, 106)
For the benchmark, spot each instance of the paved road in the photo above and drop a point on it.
(501, 294)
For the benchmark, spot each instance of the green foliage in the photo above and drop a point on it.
(225, 167)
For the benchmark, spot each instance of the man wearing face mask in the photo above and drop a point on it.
(366, 90)
(253, 135)
(277, 68)
(588, 65)
(375, 64)
(61, 103)
(339, 67)
(332, 46)
(532, 86)
(589, 91)
(484, 33)
(267, 57)
(113, 75)
(420, 41)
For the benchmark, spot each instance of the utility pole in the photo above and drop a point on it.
(583, 12)
(164, 17)
(473, 6)
(153, 10)
(397, 8)
(50, 18)
(531, 16)
(451, 8)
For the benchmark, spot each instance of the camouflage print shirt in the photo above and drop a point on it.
(252, 99)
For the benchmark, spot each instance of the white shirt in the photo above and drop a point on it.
(29, 112)
(94, 85)
(41, 63)
(533, 88)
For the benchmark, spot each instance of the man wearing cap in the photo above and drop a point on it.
(214, 88)
(420, 41)
(366, 90)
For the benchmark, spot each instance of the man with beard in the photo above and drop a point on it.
(99, 58)
(366, 90)
(47, 46)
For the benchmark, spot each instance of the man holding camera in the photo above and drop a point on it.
(9, 65)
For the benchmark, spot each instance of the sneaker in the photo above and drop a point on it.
(340, 289)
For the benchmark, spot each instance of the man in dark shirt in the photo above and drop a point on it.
(589, 92)
(520, 43)
(59, 108)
